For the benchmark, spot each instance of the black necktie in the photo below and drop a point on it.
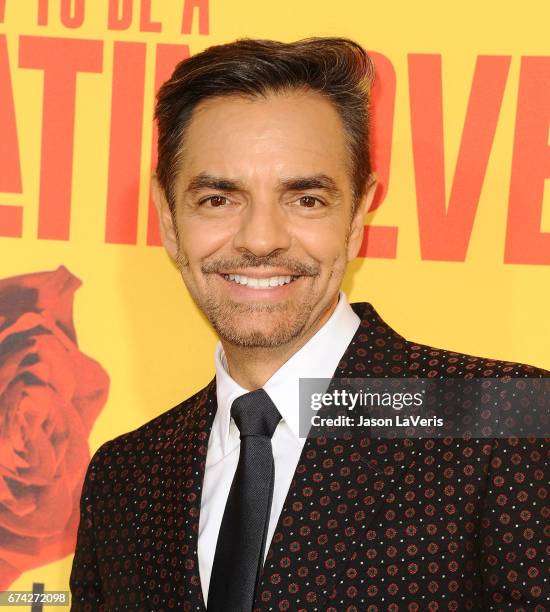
(242, 537)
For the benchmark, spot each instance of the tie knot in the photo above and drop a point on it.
(255, 414)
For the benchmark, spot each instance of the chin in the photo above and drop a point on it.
(254, 339)
(259, 325)
(252, 334)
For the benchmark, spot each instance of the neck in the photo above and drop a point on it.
(251, 368)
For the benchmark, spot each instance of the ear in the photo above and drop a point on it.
(167, 228)
(358, 221)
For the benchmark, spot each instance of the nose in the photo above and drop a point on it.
(263, 229)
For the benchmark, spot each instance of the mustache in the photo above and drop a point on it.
(295, 267)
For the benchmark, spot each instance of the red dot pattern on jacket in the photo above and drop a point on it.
(368, 524)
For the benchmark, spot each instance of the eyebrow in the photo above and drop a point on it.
(297, 183)
(317, 181)
(208, 181)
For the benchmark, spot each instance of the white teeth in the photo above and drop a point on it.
(259, 283)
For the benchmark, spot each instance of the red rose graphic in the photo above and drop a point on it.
(50, 396)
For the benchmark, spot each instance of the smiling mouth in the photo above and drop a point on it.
(260, 283)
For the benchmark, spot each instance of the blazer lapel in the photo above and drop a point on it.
(169, 510)
(338, 487)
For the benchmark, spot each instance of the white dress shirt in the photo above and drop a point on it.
(318, 358)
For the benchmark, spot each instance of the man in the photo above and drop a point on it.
(262, 184)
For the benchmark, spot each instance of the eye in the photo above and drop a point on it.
(310, 202)
(215, 201)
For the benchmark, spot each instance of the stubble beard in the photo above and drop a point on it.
(254, 325)
(241, 324)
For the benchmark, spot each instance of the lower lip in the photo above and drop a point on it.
(265, 294)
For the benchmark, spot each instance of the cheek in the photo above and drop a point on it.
(199, 238)
(323, 241)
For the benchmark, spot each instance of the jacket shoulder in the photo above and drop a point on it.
(424, 360)
(433, 361)
(161, 428)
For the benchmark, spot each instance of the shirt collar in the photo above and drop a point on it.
(318, 358)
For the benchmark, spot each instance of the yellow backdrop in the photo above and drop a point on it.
(467, 266)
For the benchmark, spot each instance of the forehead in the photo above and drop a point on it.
(281, 134)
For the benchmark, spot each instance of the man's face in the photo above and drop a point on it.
(263, 208)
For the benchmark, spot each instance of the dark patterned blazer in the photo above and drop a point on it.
(368, 524)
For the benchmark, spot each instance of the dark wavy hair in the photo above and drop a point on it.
(337, 68)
